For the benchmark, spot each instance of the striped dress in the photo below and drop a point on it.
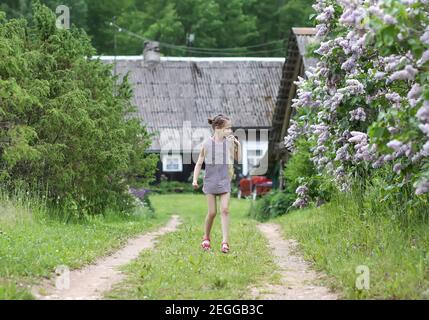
(218, 161)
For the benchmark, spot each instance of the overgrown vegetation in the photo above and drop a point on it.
(33, 241)
(347, 232)
(64, 128)
(359, 140)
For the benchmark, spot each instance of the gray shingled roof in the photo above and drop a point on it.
(193, 89)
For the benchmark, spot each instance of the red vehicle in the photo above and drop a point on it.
(254, 186)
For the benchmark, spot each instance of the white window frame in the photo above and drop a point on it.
(167, 157)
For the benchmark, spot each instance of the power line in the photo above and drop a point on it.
(191, 49)
(202, 50)
(231, 53)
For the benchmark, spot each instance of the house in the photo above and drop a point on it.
(295, 65)
(175, 96)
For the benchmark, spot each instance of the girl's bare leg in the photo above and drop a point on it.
(211, 202)
(224, 209)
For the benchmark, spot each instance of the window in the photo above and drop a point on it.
(172, 163)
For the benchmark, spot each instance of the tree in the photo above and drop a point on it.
(67, 129)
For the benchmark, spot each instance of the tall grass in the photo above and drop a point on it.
(35, 238)
(21, 207)
(369, 227)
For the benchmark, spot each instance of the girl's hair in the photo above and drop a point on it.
(218, 121)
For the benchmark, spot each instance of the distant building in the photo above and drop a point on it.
(173, 92)
(175, 96)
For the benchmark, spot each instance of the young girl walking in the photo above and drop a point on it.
(218, 153)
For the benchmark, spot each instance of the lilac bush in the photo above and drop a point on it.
(365, 105)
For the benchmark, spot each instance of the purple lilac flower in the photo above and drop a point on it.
(321, 30)
(425, 37)
(415, 92)
(397, 168)
(301, 190)
(424, 58)
(342, 153)
(378, 163)
(349, 64)
(394, 98)
(353, 13)
(358, 114)
(423, 112)
(391, 62)
(408, 73)
(293, 133)
(379, 75)
(353, 87)
(388, 19)
(325, 48)
(300, 203)
(357, 137)
(395, 144)
(302, 200)
(425, 148)
(424, 128)
(422, 187)
(326, 15)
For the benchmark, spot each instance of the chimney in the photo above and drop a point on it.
(151, 56)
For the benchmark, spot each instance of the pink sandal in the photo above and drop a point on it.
(206, 243)
(225, 247)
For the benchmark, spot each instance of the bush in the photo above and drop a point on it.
(62, 126)
(365, 104)
(271, 205)
(300, 170)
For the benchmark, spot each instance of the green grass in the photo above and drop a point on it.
(33, 244)
(336, 238)
(179, 269)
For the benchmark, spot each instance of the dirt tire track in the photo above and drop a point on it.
(90, 282)
(298, 281)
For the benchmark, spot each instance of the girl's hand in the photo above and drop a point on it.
(233, 138)
(195, 185)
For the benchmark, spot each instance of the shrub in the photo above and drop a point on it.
(64, 122)
(365, 106)
(271, 205)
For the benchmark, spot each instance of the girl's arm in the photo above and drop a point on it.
(197, 168)
(237, 153)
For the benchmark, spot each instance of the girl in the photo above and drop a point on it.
(218, 152)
